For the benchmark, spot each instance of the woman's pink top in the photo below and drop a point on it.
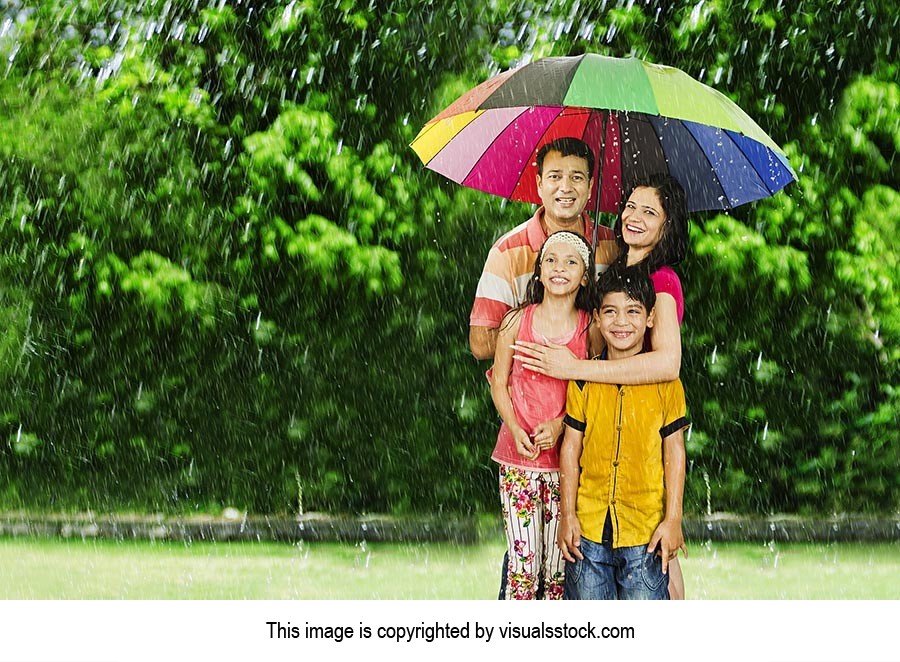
(666, 280)
(537, 398)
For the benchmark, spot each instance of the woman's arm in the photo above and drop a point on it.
(661, 364)
(509, 329)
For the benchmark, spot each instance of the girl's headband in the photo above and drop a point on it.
(566, 237)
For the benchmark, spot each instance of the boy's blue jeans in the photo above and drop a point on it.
(626, 573)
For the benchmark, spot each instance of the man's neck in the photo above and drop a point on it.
(551, 225)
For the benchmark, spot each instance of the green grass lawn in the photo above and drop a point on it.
(76, 569)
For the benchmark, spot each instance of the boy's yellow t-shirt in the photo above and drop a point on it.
(622, 458)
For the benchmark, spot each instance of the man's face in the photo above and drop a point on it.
(564, 187)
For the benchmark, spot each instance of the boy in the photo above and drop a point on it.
(622, 463)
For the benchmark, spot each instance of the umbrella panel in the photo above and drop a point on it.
(495, 152)
(511, 153)
(478, 134)
(638, 117)
(541, 83)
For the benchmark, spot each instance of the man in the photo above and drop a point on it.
(564, 184)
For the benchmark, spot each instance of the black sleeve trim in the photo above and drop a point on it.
(674, 426)
(572, 423)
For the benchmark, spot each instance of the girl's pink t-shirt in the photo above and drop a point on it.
(537, 398)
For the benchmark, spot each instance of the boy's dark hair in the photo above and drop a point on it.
(567, 147)
(673, 245)
(633, 281)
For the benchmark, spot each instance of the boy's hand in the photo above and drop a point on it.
(524, 447)
(546, 434)
(568, 538)
(669, 538)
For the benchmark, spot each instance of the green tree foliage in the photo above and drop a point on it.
(225, 279)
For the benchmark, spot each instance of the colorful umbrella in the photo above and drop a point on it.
(640, 118)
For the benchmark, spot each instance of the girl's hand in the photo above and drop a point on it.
(524, 447)
(557, 361)
(546, 434)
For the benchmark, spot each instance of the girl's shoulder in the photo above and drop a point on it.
(514, 317)
(526, 310)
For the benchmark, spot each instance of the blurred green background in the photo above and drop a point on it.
(225, 279)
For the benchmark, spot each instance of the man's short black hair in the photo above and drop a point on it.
(567, 147)
(633, 281)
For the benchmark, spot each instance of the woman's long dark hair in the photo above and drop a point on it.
(672, 247)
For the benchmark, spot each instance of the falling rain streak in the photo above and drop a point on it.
(170, 169)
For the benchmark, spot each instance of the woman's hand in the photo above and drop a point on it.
(553, 360)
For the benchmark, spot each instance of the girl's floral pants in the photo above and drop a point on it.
(530, 503)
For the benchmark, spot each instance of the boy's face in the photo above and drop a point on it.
(623, 324)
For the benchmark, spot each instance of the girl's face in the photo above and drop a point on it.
(643, 221)
(562, 269)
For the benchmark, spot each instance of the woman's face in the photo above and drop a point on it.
(643, 221)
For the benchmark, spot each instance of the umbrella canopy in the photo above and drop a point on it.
(639, 118)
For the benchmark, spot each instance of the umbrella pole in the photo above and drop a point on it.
(596, 226)
(597, 212)
(603, 120)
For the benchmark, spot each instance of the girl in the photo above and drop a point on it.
(651, 231)
(558, 303)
